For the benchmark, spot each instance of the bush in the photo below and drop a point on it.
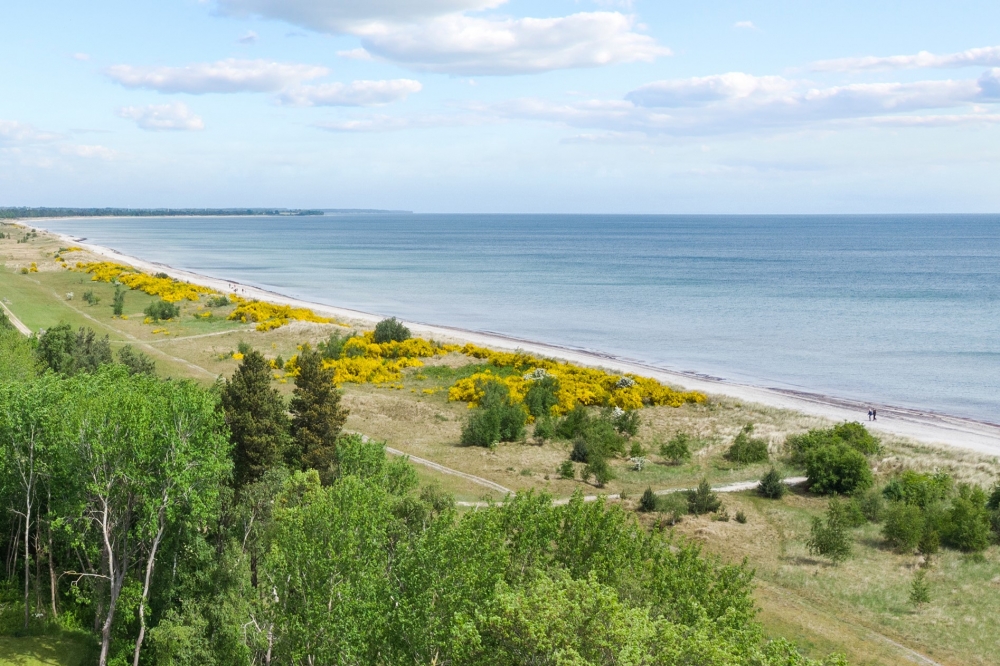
(920, 591)
(747, 450)
(579, 452)
(91, 298)
(136, 362)
(772, 485)
(830, 538)
(871, 504)
(574, 423)
(647, 502)
(161, 310)
(741, 517)
(545, 428)
(391, 330)
(542, 396)
(218, 301)
(118, 301)
(673, 506)
(625, 421)
(496, 419)
(968, 527)
(703, 500)
(853, 435)
(903, 526)
(598, 467)
(919, 489)
(678, 449)
(333, 347)
(837, 468)
(566, 470)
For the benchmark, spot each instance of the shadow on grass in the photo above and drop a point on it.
(57, 650)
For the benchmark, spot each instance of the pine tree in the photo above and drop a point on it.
(317, 415)
(648, 501)
(258, 425)
(920, 590)
(772, 485)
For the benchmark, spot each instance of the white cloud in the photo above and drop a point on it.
(346, 16)
(738, 102)
(355, 54)
(358, 93)
(224, 76)
(13, 132)
(249, 38)
(161, 117)
(440, 36)
(745, 25)
(988, 56)
(89, 152)
(459, 44)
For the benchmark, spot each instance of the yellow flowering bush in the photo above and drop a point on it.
(34, 268)
(270, 316)
(166, 288)
(577, 384)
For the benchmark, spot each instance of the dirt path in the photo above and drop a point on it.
(18, 324)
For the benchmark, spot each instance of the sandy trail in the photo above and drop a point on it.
(923, 426)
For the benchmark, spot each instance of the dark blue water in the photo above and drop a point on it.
(901, 310)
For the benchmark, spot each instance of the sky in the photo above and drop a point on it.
(551, 106)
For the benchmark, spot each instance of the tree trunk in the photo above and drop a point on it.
(53, 581)
(150, 563)
(27, 558)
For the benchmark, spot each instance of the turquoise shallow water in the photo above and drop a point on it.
(897, 310)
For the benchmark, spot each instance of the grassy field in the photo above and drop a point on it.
(43, 651)
(860, 607)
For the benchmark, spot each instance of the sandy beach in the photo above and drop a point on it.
(923, 426)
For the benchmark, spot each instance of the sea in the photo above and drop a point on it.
(900, 310)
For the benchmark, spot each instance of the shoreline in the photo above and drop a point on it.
(920, 425)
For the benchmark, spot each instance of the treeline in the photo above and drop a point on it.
(176, 524)
(24, 212)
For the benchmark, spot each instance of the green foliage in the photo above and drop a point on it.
(162, 310)
(574, 423)
(391, 330)
(255, 413)
(541, 396)
(625, 421)
(903, 526)
(703, 500)
(69, 353)
(648, 500)
(90, 298)
(496, 419)
(837, 468)
(854, 435)
(747, 450)
(968, 525)
(18, 360)
(871, 504)
(545, 428)
(598, 467)
(136, 362)
(579, 452)
(317, 415)
(333, 347)
(920, 589)
(772, 485)
(919, 489)
(678, 449)
(741, 517)
(118, 301)
(830, 538)
(218, 301)
(566, 470)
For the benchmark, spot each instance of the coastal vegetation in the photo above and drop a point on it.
(319, 445)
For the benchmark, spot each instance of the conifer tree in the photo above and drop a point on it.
(258, 425)
(317, 415)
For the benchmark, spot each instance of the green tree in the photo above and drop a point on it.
(920, 589)
(703, 500)
(837, 468)
(903, 526)
(772, 485)
(69, 353)
(678, 449)
(830, 538)
(647, 502)
(746, 449)
(256, 417)
(136, 362)
(496, 419)
(317, 415)
(542, 396)
(968, 524)
(118, 301)
(391, 330)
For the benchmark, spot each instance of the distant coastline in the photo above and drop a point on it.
(15, 213)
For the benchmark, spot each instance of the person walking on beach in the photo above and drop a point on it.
(869, 413)
(874, 414)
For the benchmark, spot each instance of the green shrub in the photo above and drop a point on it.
(968, 526)
(647, 502)
(219, 301)
(391, 330)
(598, 467)
(772, 485)
(678, 449)
(903, 526)
(853, 435)
(919, 489)
(118, 301)
(673, 505)
(741, 517)
(747, 450)
(703, 500)
(161, 310)
(566, 470)
(333, 347)
(574, 423)
(920, 590)
(830, 538)
(625, 421)
(136, 362)
(545, 428)
(837, 468)
(871, 504)
(542, 396)
(91, 298)
(496, 419)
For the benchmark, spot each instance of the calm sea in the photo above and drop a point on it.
(897, 310)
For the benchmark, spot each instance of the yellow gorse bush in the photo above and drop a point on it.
(577, 384)
(270, 316)
(168, 289)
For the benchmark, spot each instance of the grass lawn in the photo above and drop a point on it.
(43, 651)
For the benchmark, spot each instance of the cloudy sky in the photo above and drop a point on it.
(648, 106)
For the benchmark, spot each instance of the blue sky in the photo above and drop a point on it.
(490, 106)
